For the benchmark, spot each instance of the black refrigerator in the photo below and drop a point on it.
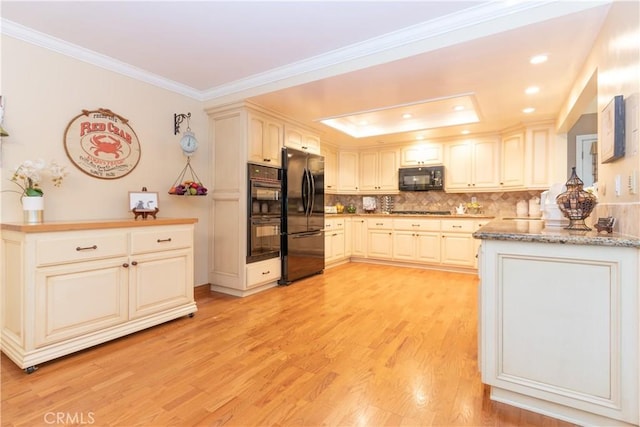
(302, 229)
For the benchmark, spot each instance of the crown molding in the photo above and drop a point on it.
(54, 44)
(479, 21)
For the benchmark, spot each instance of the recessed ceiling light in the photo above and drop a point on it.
(406, 116)
(538, 59)
(465, 132)
(458, 108)
(531, 90)
(528, 110)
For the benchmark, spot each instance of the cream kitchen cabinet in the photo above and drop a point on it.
(334, 240)
(559, 331)
(422, 154)
(359, 237)
(458, 245)
(380, 238)
(265, 139)
(229, 271)
(348, 171)
(539, 156)
(472, 165)
(512, 161)
(378, 171)
(330, 169)
(263, 272)
(69, 286)
(301, 139)
(416, 240)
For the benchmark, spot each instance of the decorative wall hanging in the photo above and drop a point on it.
(612, 130)
(102, 144)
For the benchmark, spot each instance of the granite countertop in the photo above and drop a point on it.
(534, 230)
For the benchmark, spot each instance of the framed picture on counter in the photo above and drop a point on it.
(612, 125)
(143, 201)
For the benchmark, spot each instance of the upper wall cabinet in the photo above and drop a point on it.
(472, 165)
(348, 172)
(422, 154)
(379, 171)
(330, 169)
(300, 139)
(265, 140)
(512, 161)
(539, 157)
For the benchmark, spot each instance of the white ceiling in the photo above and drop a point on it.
(318, 59)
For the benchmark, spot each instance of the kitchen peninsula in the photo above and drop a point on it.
(558, 320)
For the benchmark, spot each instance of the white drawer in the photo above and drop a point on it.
(80, 246)
(457, 225)
(262, 272)
(161, 239)
(380, 223)
(416, 224)
(333, 224)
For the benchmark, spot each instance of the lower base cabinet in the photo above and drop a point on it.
(560, 329)
(63, 291)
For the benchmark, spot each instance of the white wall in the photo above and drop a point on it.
(43, 91)
(615, 59)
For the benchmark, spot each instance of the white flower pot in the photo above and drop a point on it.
(33, 208)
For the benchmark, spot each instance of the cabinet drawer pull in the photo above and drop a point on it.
(266, 160)
(305, 148)
(379, 223)
(456, 226)
(415, 225)
(86, 248)
(164, 240)
(266, 272)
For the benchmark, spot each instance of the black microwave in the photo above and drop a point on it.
(425, 178)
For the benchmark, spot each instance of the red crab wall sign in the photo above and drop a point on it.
(102, 144)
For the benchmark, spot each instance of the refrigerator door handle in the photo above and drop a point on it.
(312, 192)
(305, 235)
(308, 180)
(305, 195)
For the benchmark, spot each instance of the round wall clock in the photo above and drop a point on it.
(102, 144)
(189, 143)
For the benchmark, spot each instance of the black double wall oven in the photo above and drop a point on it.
(264, 212)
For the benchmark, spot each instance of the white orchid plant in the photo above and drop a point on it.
(29, 174)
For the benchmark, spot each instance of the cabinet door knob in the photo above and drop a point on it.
(134, 262)
(125, 265)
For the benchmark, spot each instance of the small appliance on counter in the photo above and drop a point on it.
(551, 213)
(369, 204)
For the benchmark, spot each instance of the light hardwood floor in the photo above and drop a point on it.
(360, 345)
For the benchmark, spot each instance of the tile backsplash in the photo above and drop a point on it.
(494, 204)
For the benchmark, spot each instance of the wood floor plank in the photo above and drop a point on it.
(361, 344)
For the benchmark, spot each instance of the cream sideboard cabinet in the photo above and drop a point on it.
(67, 286)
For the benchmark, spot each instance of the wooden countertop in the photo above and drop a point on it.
(534, 230)
(97, 224)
